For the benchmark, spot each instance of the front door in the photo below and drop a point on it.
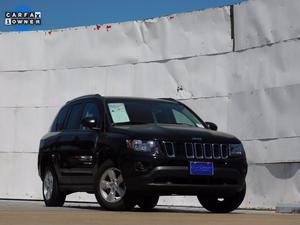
(77, 145)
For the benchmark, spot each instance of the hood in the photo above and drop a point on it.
(174, 132)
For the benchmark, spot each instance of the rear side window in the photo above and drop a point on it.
(75, 117)
(58, 123)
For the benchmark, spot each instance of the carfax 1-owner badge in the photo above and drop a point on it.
(23, 18)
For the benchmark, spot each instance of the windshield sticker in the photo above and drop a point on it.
(118, 112)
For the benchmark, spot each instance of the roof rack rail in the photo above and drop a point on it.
(84, 97)
(169, 99)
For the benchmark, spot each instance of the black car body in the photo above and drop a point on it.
(130, 151)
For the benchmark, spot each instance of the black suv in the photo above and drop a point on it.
(129, 151)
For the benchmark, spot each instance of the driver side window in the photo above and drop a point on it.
(90, 110)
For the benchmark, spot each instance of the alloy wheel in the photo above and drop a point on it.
(112, 186)
(48, 185)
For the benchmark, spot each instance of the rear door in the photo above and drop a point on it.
(57, 129)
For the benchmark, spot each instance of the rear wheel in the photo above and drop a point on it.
(51, 193)
(222, 205)
(147, 203)
(111, 191)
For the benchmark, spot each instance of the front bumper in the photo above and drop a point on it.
(167, 180)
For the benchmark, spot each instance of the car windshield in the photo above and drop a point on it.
(132, 112)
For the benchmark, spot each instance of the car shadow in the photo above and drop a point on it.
(158, 209)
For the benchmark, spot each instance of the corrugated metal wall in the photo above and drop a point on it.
(249, 86)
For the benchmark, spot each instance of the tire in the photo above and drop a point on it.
(224, 205)
(111, 192)
(51, 193)
(147, 203)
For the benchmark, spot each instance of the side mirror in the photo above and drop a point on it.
(211, 126)
(89, 122)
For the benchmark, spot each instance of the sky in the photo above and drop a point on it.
(58, 14)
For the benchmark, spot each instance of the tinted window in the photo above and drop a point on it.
(181, 118)
(58, 123)
(144, 111)
(91, 110)
(75, 117)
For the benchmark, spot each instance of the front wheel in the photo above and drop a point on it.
(223, 204)
(51, 193)
(111, 192)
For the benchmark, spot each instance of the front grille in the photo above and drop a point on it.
(191, 150)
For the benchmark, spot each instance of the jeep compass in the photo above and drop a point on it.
(129, 151)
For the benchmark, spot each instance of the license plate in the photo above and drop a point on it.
(202, 168)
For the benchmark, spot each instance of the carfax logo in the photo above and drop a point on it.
(22, 18)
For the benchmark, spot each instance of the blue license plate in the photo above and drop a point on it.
(202, 168)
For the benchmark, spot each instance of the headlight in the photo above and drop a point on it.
(142, 146)
(236, 150)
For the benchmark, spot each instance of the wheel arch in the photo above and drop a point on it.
(44, 163)
(109, 153)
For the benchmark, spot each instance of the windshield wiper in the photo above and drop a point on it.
(185, 124)
(129, 123)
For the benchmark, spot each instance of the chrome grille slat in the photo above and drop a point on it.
(208, 151)
(190, 150)
(224, 151)
(198, 151)
(169, 148)
(216, 151)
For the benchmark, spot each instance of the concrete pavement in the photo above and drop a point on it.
(35, 213)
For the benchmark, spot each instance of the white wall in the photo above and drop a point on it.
(251, 92)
